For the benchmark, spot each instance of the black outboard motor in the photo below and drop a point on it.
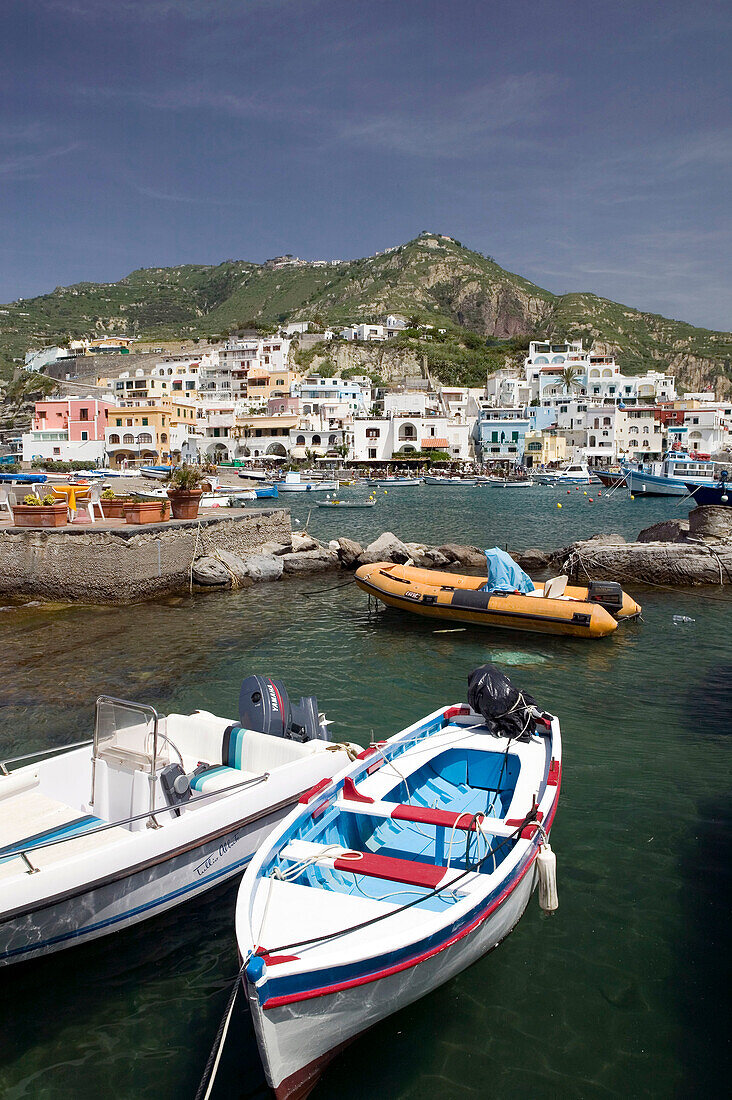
(608, 594)
(507, 711)
(265, 706)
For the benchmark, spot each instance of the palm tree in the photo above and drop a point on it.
(569, 376)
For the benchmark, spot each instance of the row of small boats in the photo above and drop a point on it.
(371, 875)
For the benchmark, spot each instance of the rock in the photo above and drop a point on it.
(662, 563)
(310, 561)
(438, 560)
(210, 571)
(302, 542)
(386, 547)
(276, 548)
(669, 530)
(531, 560)
(610, 540)
(711, 521)
(234, 564)
(265, 567)
(349, 552)
(334, 545)
(464, 555)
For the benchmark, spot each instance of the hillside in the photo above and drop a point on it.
(432, 278)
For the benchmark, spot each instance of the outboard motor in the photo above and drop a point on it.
(608, 594)
(265, 706)
(507, 711)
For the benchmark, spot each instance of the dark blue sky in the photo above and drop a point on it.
(584, 144)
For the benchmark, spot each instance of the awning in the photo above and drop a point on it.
(441, 444)
(298, 452)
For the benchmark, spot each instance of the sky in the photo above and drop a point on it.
(583, 144)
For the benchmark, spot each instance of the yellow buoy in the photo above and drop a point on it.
(632, 497)
(585, 493)
(559, 506)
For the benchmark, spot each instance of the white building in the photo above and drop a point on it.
(364, 332)
(387, 438)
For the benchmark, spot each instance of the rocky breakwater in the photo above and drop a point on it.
(672, 553)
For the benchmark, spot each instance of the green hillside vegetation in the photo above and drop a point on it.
(430, 280)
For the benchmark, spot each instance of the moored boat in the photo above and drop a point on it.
(397, 482)
(508, 598)
(152, 812)
(453, 482)
(397, 875)
(294, 483)
(670, 477)
(574, 473)
(711, 494)
(346, 503)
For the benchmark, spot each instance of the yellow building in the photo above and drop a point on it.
(541, 448)
(262, 384)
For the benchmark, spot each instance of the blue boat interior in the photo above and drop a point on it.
(461, 781)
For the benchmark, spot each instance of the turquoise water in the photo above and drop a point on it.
(621, 993)
(485, 516)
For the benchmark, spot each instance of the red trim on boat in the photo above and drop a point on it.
(555, 772)
(308, 795)
(367, 752)
(452, 712)
(273, 960)
(408, 871)
(352, 793)
(309, 994)
(426, 815)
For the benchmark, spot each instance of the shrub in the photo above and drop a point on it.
(185, 478)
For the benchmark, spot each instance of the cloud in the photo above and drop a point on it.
(26, 147)
(467, 123)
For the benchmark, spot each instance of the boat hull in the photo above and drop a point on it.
(651, 485)
(119, 900)
(296, 1046)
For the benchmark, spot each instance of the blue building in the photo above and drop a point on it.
(500, 435)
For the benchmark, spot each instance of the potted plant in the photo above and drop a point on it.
(34, 512)
(184, 491)
(146, 511)
(114, 506)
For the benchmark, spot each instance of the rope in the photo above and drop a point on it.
(576, 558)
(212, 1065)
(193, 560)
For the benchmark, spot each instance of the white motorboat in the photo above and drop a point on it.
(452, 482)
(152, 812)
(396, 875)
(294, 483)
(397, 482)
(574, 473)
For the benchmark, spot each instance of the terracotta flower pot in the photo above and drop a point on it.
(40, 515)
(115, 509)
(147, 511)
(184, 502)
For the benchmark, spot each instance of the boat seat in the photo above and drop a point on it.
(409, 872)
(554, 588)
(205, 737)
(218, 778)
(422, 815)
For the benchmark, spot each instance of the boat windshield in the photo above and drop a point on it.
(128, 732)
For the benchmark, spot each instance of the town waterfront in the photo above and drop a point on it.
(618, 994)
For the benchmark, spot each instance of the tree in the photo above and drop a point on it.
(569, 378)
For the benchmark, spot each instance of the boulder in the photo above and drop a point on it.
(276, 548)
(668, 530)
(464, 555)
(437, 559)
(711, 521)
(265, 567)
(302, 542)
(211, 572)
(349, 552)
(235, 565)
(531, 560)
(310, 561)
(386, 547)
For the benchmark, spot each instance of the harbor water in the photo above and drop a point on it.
(620, 993)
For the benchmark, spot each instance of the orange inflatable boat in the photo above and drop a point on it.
(553, 608)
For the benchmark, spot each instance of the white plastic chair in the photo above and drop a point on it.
(91, 500)
(7, 498)
(554, 588)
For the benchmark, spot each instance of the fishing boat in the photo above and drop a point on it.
(210, 498)
(395, 876)
(670, 477)
(396, 482)
(294, 483)
(454, 482)
(508, 598)
(574, 473)
(153, 811)
(711, 494)
(266, 492)
(157, 473)
(612, 478)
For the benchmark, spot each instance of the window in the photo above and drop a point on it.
(163, 438)
(300, 441)
(118, 423)
(372, 452)
(83, 414)
(57, 450)
(144, 421)
(84, 436)
(144, 437)
(129, 423)
(316, 441)
(114, 438)
(373, 433)
(128, 438)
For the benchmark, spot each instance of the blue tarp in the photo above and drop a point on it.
(504, 575)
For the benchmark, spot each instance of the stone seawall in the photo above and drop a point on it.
(127, 564)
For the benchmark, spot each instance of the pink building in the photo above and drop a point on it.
(67, 429)
(288, 405)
